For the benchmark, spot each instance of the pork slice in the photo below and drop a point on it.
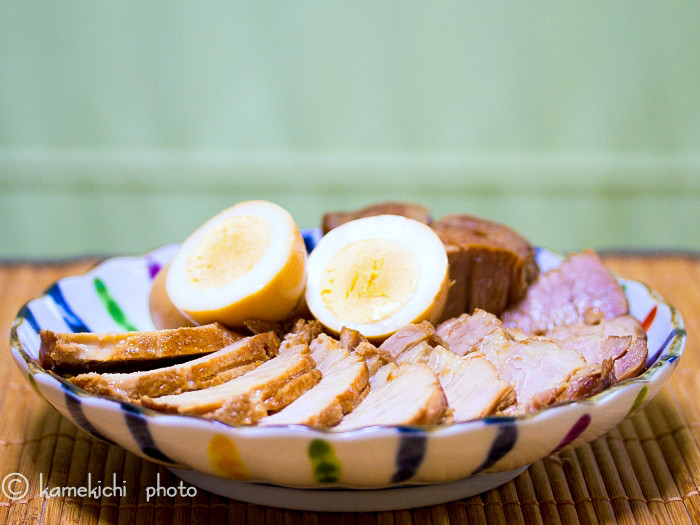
(90, 351)
(471, 384)
(302, 332)
(246, 399)
(491, 265)
(408, 336)
(406, 209)
(209, 370)
(581, 290)
(344, 383)
(259, 326)
(407, 395)
(537, 368)
(375, 358)
(350, 338)
(621, 340)
(461, 334)
(588, 380)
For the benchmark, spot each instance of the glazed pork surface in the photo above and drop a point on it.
(410, 210)
(219, 367)
(248, 398)
(491, 265)
(83, 351)
(341, 388)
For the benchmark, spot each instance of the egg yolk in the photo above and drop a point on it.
(369, 280)
(227, 251)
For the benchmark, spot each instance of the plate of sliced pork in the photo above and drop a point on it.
(408, 362)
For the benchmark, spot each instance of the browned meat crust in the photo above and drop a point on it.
(351, 339)
(210, 370)
(374, 357)
(410, 335)
(302, 332)
(109, 351)
(490, 264)
(405, 209)
(580, 290)
(588, 380)
(259, 326)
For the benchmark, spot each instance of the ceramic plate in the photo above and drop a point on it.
(377, 467)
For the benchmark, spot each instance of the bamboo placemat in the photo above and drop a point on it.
(646, 470)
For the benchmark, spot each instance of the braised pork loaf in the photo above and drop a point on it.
(491, 266)
(405, 209)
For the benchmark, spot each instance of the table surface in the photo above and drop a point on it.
(646, 470)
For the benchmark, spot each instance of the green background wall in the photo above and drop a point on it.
(124, 125)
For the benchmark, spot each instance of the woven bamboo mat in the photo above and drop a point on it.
(646, 470)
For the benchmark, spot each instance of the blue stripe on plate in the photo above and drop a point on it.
(505, 440)
(311, 237)
(410, 454)
(676, 332)
(75, 408)
(138, 426)
(28, 316)
(69, 316)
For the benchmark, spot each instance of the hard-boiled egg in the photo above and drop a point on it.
(376, 275)
(247, 262)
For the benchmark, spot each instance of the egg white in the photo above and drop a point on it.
(270, 290)
(426, 301)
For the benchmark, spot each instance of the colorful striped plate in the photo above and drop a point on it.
(438, 463)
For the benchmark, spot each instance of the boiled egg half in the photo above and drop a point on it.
(247, 262)
(377, 274)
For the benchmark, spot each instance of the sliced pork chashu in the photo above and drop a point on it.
(111, 350)
(407, 394)
(248, 398)
(409, 336)
(375, 358)
(472, 384)
(350, 339)
(302, 332)
(344, 382)
(621, 340)
(491, 265)
(540, 371)
(207, 371)
(580, 290)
